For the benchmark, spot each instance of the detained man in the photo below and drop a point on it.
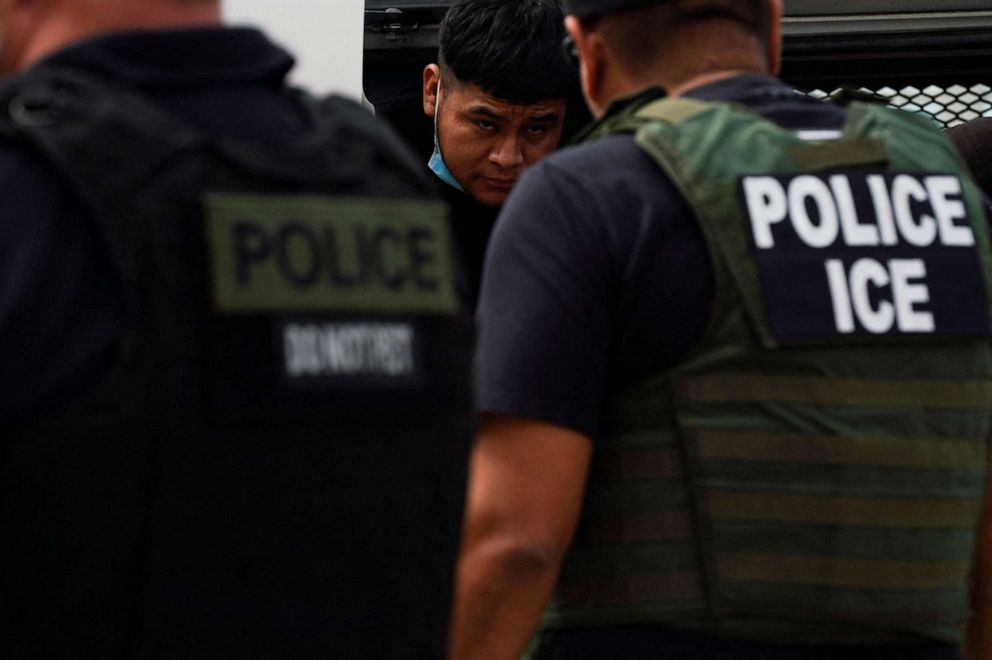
(498, 96)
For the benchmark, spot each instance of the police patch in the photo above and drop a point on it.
(309, 253)
(864, 254)
(353, 353)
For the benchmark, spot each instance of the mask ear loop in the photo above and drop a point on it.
(437, 107)
(437, 164)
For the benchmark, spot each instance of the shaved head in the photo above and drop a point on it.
(648, 38)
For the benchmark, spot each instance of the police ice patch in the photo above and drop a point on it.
(864, 254)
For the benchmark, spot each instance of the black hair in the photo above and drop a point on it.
(509, 48)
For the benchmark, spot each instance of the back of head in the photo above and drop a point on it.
(509, 48)
(670, 42)
(663, 34)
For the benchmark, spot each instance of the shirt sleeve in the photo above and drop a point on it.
(546, 305)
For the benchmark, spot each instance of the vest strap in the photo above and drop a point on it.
(948, 394)
(845, 153)
(830, 510)
(923, 453)
(844, 573)
(672, 110)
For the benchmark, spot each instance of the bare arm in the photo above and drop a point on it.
(978, 635)
(525, 494)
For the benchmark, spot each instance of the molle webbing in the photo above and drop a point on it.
(816, 494)
(868, 522)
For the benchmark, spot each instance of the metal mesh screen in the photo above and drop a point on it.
(950, 105)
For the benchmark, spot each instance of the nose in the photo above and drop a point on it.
(508, 153)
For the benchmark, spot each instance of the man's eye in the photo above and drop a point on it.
(485, 125)
(536, 131)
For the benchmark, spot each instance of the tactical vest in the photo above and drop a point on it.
(813, 471)
(275, 465)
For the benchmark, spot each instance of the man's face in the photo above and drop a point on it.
(487, 143)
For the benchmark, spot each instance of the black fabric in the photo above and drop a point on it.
(610, 302)
(471, 225)
(234, 88)
(166, 501)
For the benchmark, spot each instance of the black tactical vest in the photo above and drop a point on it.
(275, 465)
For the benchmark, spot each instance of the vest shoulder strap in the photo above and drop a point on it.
(672, 110)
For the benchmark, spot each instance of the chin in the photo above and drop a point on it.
(489, 199)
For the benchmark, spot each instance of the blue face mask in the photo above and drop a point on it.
(436, 163)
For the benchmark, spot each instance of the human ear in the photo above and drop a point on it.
(432, 77)
(774, 36)
(592, 66)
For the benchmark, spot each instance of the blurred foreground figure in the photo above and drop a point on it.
(233, 361)
(734, 367)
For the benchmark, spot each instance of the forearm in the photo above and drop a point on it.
(978, 639)
(502, 589)
(978, 644)
(524, 497)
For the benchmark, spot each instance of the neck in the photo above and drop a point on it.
(673, 86)
(704, 79)
(69, 23)
(695, 57)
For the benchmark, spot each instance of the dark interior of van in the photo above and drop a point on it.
(927, 56)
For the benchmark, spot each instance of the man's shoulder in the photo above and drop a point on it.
(607, 159)
(608, 185)
(392, 151)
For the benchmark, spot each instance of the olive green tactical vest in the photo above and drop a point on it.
(800, 492)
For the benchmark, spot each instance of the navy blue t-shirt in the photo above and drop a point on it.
(61, 309)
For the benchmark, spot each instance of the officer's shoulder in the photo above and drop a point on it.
(346, 120)
(601, 157)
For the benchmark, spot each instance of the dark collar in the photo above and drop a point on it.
(162, 58)
(743, 88)
(617, 107)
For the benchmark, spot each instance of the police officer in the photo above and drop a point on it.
(233, 361)
(734, 373)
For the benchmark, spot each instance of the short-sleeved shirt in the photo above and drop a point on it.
(61, 312)
(598, 275)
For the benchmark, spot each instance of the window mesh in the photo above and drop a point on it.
(950, 106)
